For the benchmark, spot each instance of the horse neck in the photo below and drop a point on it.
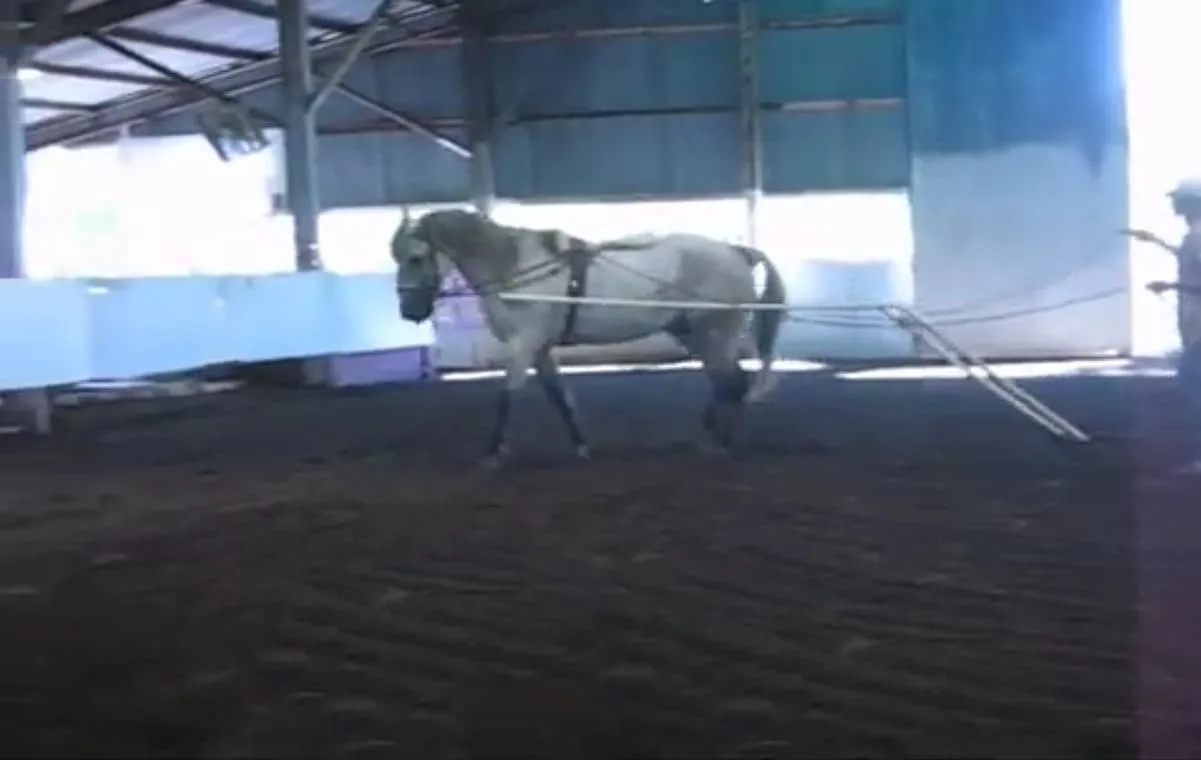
(477, 272)
(497, 268)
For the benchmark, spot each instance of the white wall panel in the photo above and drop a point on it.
(1022, 232)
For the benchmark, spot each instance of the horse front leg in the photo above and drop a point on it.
(562, 399)
(498, 439)
(520, 359)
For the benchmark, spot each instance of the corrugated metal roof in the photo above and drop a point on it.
(208, 23)
(72, 72)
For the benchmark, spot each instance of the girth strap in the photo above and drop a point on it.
(578, 259)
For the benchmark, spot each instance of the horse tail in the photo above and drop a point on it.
(766, 322)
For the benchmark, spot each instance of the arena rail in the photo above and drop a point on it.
(65, 331)
(62, 332)
(904, 317)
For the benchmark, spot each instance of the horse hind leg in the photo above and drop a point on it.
(684, 330)
(718, 350)
(723, 413)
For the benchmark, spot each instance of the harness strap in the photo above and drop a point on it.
(579, 261)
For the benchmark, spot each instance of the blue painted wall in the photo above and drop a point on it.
(864, 146)
(656, 115)
(1019, 180)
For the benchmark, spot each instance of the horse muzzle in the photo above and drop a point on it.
(416, 307)
(415, 314)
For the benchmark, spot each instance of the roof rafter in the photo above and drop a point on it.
(186, 44)
(99, 75)
(422, 22)
(58, 105)
(252, 76)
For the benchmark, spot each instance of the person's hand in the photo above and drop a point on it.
(1159, 286)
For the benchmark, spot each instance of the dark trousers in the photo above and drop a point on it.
(1188, 374)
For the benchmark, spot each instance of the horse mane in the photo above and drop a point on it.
(471, 234)
(474, 236)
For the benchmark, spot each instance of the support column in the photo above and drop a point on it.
(751, 113)
(29, 408)
(476, 76)
(300, 132)
(300, 175)
(12, 168)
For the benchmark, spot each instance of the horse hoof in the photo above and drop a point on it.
(710, 447)
(493, 462)
(583, 453)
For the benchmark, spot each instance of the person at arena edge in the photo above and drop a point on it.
(1186, 203)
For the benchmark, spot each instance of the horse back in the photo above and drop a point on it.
(639, 242)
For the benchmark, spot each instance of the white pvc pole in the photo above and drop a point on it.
(903, 316)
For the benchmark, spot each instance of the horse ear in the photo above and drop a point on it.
(400, 234)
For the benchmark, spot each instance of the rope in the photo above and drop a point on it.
(531, 274)
(873, 324)
(1024, 288)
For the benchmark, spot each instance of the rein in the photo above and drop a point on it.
(532, 273)
(522, 276)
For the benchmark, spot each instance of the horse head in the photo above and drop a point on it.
(418, 271)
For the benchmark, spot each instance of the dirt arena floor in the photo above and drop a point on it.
(890, 569)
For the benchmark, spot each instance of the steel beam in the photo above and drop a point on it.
(186, 44)
(796, 106)
(99, 75)
(175, 76)
(57, 105)
(841, 21)
(300, 133)
(410, 123)
(750, 112)
(48, 17)
(476, 77)
(362, 39)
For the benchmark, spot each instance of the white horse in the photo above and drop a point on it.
(495, 259)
